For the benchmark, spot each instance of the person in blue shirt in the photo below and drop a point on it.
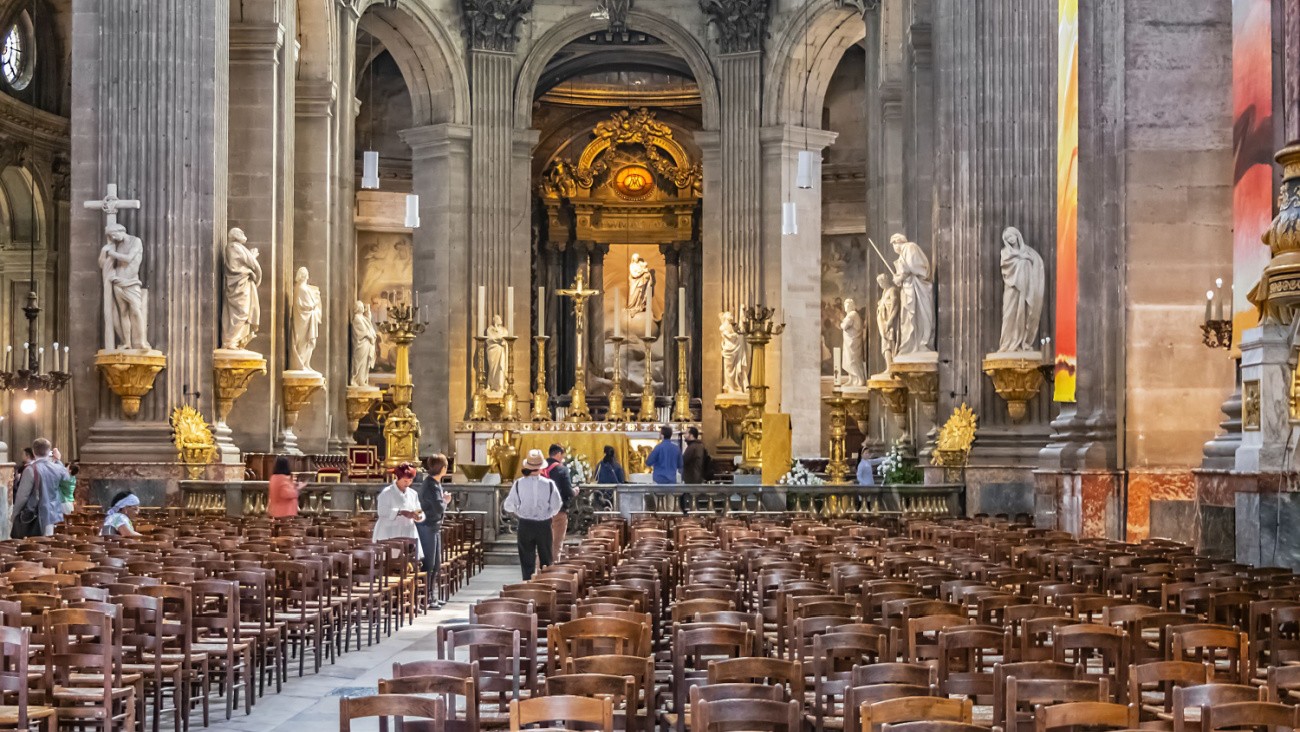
(867, 468)
(665, 461)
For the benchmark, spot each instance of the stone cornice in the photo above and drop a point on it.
(315, 98)
(493, 25)
(256, 42)
(741, 25)
(41, 129)
(435, 141)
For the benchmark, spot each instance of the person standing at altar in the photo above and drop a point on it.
(665, 461)
(399, 509)
(433, 501)
(695, 459)
(535, 501)
(558, 472)
(282, 490)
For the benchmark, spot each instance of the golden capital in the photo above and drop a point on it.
(232, 370)
(130, 375)
(1016, 380)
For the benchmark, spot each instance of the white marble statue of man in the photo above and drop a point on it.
(886, 318)
(496, 355)
(915, 297)
(364, 339)
(640, 278)
(853, 332)
(241, 312)
(1024, 282)
(125, 296)
(306, 311)
(735, 362)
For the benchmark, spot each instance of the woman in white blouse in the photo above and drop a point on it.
(399, 508)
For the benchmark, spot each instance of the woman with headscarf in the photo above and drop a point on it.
(118, 520)
(399, 509)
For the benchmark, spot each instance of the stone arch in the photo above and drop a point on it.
(317, 34)
(581, 24)
(826, 32)
(430, 60)
(24, 197)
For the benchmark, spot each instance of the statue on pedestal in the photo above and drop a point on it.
(305, 307)
(887, 319)
(852, 330)
(640, 279)
(125, 297)
(364, 338)
(915, 297)
(1024, 282)
(496, 356)
(735, 364)
(241, 311)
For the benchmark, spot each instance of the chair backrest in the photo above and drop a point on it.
(391, 705)
(595, 636)
(917, 674)
(856, 696)
(621, 690)
(1164, 676)
(640, 669)
(1205, 643)
(568, 710)
(497, 652)
(446, 688)
(915, 709)
(759, 715)
(966, 656)
(14, 651)
(1026, 695)
(1252, 715)
(80, 640)
(1085, 714)
(788, 674)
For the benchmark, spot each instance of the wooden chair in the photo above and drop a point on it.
(1034, 693)
(788, 675)
(621, 691)
(833, 659)
(857, 696)
(217, 633)
(642, 673)
(691, 652)
(14, 682)
(144, 645)
(595, 636)
(1158, 703)
(79, 649)
(915, 709)
(1283, 683)
(759, 715)
(177, 631)
(499, 658)
(529, 639)
(1227, 650)
(1085, 714)
(1098, 649)
(297, 594)
(445, 688)
(966, 659)
(1250, 715)
(561, 711)
(932, 727)
(383, 706)
(1197, 698)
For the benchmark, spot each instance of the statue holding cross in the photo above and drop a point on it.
(126, 300)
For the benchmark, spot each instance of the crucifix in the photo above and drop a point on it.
(578, 411)
(109, 206)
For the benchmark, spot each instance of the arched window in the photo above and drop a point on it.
(18, 55)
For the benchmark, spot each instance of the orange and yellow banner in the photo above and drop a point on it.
(1252, 146)
(1067, 200)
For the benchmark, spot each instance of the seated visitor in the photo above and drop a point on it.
(118, 520)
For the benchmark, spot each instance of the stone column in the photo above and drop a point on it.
(793, 275)
(259, 170)
(152, 118)
(596, 313)
(668, 327)
(440, 176)
(315, 196)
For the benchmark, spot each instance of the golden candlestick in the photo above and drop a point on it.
(478, 411)
(682, 399)
(617, 412)
(837, 468)
(541, 399)
(578, 411)
(509, 403)
(757, 327)
(402, 428)
(648, 412)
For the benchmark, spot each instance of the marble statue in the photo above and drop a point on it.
(915, 297)
(735, 361)
(496, 356)
(124, 294)
(305, 309)
(853, 332)
(241, 312)
(887, 318)
(640, 279)
(364, 339)
(1024, 281)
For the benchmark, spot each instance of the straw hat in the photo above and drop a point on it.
(535, 460)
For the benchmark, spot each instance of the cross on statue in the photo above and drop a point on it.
(578, 395)
(109, 206)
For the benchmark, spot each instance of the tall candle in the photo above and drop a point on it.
(40, 359)
(510, 310)
(649, 311)
(481, 327)
(27, 357)
(9, 358)
(681, 311)
(618, 315)
(541, 311)
(1209, 302)
(65, 358)
(55, 357)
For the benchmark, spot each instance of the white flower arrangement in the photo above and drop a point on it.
(579, 469)
(896, 468)
(799, 475)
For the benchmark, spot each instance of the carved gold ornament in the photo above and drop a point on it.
(232, 374)
(634, 181)
(130, 375)
(956, 436)
(193, 439)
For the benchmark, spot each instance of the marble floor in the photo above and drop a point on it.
(311, 702)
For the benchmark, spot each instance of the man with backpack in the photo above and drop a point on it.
(558, 472)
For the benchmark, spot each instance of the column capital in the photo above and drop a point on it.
(437, 141)
(315, 97)
(523, 141)
(493, 25)
(256, 42)
(790, 139)
(741, 25)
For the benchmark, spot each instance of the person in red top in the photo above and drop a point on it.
(282, 493)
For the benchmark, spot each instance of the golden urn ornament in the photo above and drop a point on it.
(1278, 293)
(193, 440)
(955, 439)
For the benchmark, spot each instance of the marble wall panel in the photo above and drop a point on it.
(1148, 487)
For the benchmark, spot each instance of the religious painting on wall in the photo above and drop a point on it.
(384, 270)
(634, 283)
(844, 276)
(1067, 200)
(1252, 145)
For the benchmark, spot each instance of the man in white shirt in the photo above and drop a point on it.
(534, 500)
